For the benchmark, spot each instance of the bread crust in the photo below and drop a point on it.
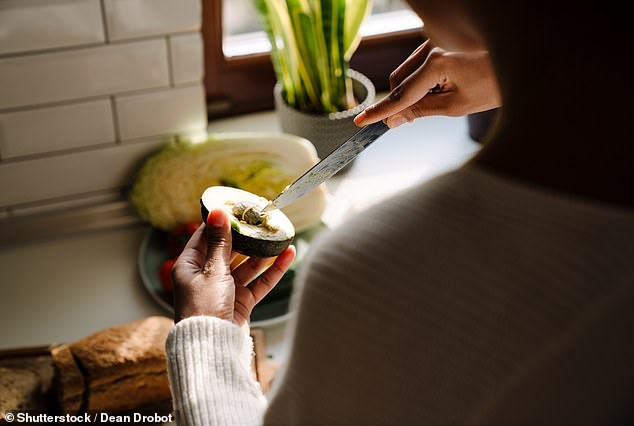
(130, 392)
(69, 381)
(116, 369)
(137, 347)
(19, 390)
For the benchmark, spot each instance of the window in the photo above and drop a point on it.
(239, 76)
(242, 32)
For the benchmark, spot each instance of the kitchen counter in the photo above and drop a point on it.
(65, 288)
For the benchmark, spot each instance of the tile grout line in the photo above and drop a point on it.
(106, 36)
(57, 153)
(54, 104)
(112, 193)
(77, 202)
(134, 92)
(115, 120)
(170, 59)
(92, 148)
(74, 47)
(46, 50)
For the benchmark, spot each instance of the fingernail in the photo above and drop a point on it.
(396, 121)
(359, 119)
(216, 218)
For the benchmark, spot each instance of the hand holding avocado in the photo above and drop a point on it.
(205, 284)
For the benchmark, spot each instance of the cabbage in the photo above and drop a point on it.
(167, 190)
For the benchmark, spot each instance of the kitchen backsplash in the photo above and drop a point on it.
(88, 88)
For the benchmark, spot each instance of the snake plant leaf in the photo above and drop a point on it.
(307, 46)
(340, 65)
(356, 12)
(284, 63)
(322, 60)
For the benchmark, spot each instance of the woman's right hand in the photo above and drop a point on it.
(433, 81)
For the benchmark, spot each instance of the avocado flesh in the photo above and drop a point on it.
(267, 237)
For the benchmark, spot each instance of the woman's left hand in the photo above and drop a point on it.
(205, 283)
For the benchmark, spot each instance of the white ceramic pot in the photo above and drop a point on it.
(325, 131)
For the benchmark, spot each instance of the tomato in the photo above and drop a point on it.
(165, 275)
(177, 238)
(173, 246)
(177, 231)
(191, 228)
(175, 242)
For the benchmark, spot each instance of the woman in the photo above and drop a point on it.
(498, 294)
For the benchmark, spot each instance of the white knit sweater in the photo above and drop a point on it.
(469, 300)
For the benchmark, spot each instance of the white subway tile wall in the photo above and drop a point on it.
(74, 74)
(88, 89)
(43, 130)
(140, 18)
(77, 173)
(44, 24)
(159, 113)
(187, 57)
(101, 197)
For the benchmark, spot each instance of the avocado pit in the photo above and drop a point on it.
(248, 212)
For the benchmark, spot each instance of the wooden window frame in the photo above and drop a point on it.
(245, 83)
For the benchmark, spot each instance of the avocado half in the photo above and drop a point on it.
(254, 233)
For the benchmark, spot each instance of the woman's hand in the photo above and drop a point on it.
(435, 82)
(205, 283)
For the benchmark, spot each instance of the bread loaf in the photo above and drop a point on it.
(69, 381)
(122, 368)
(19, 390)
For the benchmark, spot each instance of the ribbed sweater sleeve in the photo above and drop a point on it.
(209, 368)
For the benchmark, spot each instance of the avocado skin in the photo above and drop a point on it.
(249, 246)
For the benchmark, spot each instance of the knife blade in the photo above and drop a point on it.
(330, 165)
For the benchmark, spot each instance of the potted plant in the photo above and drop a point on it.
(312, 41)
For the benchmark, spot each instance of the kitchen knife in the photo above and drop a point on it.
(330, 165)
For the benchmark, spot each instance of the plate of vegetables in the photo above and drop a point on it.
(160, 249)
(167, 194)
